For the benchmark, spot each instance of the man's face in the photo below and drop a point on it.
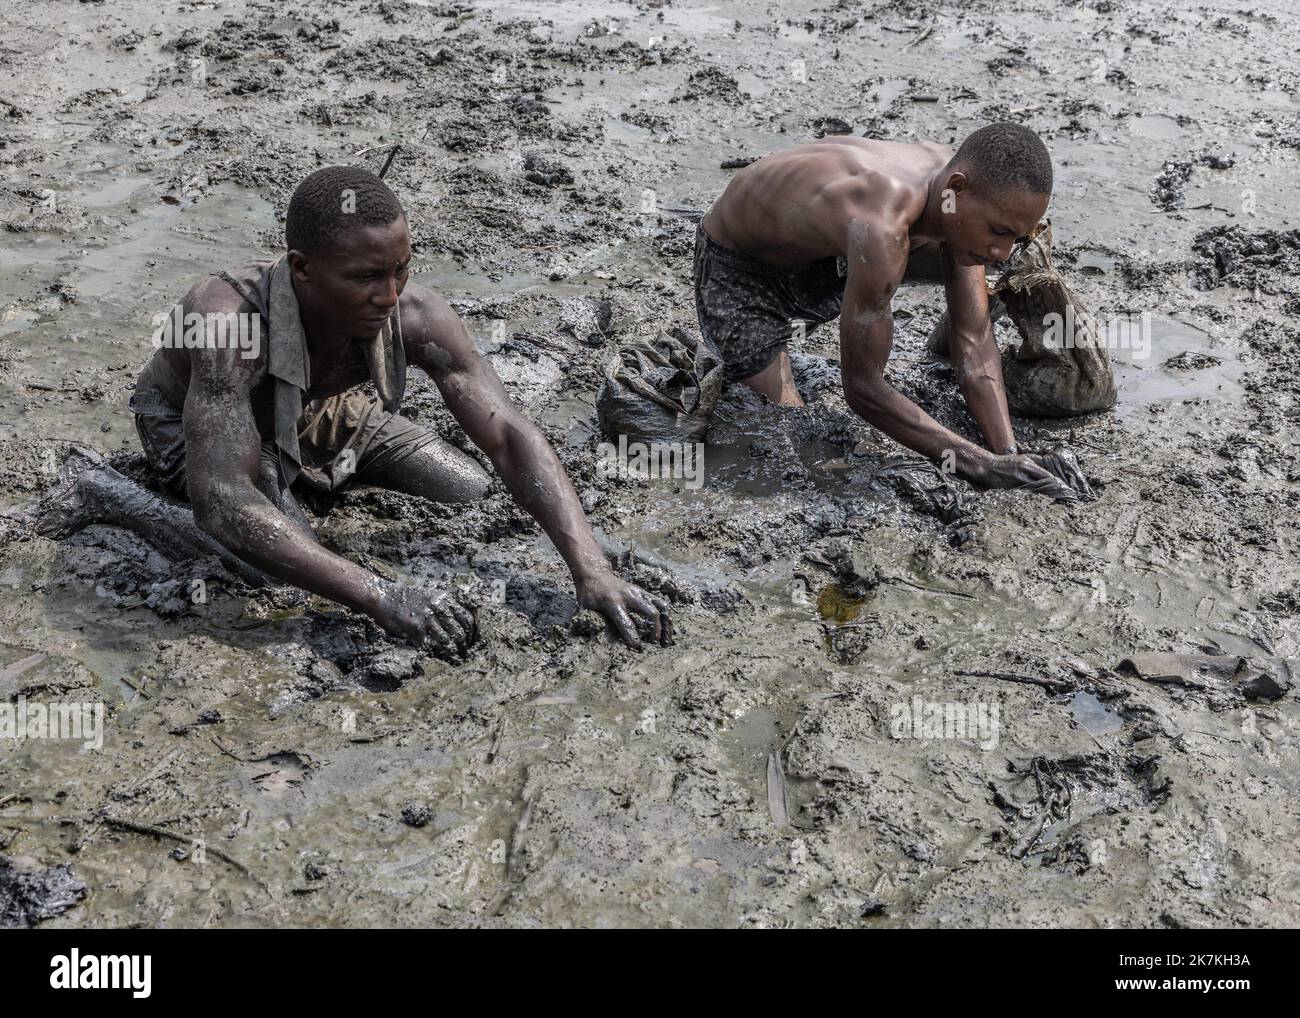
(983, 227)
(356, 283)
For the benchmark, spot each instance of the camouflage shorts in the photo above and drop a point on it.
(748, 310)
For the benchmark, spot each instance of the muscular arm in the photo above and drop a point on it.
(524, 459)
(223, 458)
(974, 352)
(877, 260)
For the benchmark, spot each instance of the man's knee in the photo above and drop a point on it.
(471, 482)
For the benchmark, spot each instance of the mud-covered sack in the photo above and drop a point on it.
(1061, 367)
(660, 391)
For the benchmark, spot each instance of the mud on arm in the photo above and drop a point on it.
(223, 457)
(526, 462)
(974, 352)
(877, 260)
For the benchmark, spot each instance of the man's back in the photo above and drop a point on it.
(787, 209)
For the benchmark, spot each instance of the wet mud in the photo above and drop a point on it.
(271, 759)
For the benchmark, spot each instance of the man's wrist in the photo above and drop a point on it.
(973, 460)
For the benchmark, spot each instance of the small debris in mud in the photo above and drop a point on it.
(1264, 686)
(30, 893)
(1192, 360)
(1224, 251)
(1167, 191)
(541, 170)
(823, 126)
(416, 814)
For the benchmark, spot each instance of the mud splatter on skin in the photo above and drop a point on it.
(568, 780)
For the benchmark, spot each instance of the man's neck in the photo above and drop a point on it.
(322, 335)
(927, 226)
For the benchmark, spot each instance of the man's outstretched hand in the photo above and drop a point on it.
(628, 608)
(438, 621)
(1024, 471)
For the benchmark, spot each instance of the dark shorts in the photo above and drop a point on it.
(748, 311)
(339, 439)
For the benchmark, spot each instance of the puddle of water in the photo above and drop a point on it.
(798, 33)
(1094, 263)
(1156, 126)
(889, 90)
(834, 604)
(16, 319)
(753, 735)
(115, 191)
(1092, 714)
(1160, 359)
(639, 27)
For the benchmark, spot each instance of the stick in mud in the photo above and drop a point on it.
(119, 824)
(1051, 685)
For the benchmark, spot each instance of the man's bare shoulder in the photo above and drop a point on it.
(431, 329)
(234, 358)
(214, 294)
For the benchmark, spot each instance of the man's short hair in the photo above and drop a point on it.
(333, 200)
(1004, 157)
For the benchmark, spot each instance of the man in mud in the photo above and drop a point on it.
(831, 228)
(232, 426)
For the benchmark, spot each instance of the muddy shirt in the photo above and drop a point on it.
(268, 287)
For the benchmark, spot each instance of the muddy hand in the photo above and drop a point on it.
(631, 610)
(437, 621)
(1025, 472)
(1062, 463)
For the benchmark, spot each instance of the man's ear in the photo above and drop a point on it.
(298, 265)
(958, 182)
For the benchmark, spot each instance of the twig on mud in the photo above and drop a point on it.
(118, 824)
(11, 671)
(1051, 685)
(931, 590)
(217, 742)
(138, 689)
(389, 161)
(1029, 840)
(375, 737)
(776, 791)
(495, 748)
(919, 39)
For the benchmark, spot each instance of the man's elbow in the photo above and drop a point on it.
(214, 511)
(866, 396)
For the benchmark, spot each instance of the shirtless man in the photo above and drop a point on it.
(231, 426)
(831, 228)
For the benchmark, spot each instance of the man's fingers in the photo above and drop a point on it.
(434, 635)
(665, 620)
(452, 626)
(643, 605)
(623, 623)
(464, 616)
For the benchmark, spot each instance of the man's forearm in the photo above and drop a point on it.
(978, 365)
(253, 529)
(889, 411)
(538, 482)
